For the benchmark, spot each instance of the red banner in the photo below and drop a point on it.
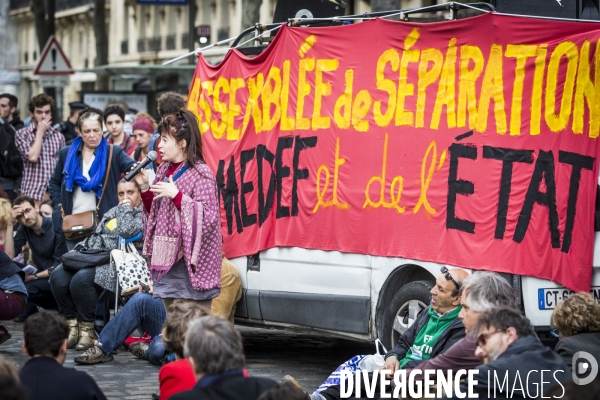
(470, 142)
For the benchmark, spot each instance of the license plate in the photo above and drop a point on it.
(549, 298)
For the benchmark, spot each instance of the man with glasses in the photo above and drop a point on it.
(516, 363)
(47, 248)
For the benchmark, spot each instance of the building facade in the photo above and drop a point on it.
(73, 21)
(9, 73)
(141, 37)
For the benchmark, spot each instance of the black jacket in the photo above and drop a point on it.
(45, 379)
(229, 388)
(588, 342)
(8, 267)
(17, 123)
(521, 365)
(121, 163)
(453, 333)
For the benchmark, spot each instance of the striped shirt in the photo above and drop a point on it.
(37, 175)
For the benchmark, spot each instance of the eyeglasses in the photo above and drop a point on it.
(483, 337)
(446, 272)
(555, 333)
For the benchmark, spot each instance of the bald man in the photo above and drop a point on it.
(436, 328)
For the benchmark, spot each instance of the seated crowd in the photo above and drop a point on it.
(495, 339)
(471, 323)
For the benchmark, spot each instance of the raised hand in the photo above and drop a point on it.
(165, 189)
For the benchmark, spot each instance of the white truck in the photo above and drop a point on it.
(363, 296)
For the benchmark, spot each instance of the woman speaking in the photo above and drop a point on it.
(183, 239)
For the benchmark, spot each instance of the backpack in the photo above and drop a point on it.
(11, 163)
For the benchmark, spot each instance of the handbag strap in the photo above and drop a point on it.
(379, 343)
(133, 250)
(110, 153)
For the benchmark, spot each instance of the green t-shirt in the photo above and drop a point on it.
(428, 336)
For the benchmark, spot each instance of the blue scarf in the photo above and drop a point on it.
(72, 171)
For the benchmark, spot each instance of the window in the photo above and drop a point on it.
(125, 21)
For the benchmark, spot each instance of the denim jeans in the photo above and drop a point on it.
(141, 310)
(75, 293)
(70, 244)
(40, 293)
(156, 352)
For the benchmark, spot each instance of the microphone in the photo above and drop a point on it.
(149, 158)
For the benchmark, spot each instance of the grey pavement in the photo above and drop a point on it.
(269, 353)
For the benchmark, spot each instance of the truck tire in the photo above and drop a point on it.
(402, 311)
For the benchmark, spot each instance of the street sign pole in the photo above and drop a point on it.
(59, 102)
(56, 82)
(53, 70)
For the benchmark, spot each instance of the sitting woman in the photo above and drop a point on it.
(13, 294)
(76, 293)
(577, 320)
(178, 376)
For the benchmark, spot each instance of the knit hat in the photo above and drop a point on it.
(142, 124)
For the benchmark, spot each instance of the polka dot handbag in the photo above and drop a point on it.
(132, 269)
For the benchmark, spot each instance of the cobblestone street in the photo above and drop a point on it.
(269, 353)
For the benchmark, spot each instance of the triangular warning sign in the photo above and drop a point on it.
(53, 60)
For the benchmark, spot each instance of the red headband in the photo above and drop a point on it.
(142, 124)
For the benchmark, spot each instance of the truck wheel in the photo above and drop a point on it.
(402, 311)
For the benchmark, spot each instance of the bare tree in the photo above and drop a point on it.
(41, 21)
(250, 12)
(44, 28)
(101, 42)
